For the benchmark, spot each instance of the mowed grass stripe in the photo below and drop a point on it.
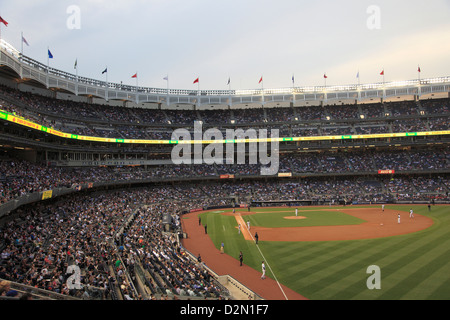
(406, 273)
(324, 275)
(347, 277)
(285, 266)
(433, 285)
(308, 278)
(306, 271)
(290, 254)
(305, 262)
(396, 260)
(392, 271)
(442, 291)
(384, 257)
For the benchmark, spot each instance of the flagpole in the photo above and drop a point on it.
(76, 72)
(229, 90)
(21, 47)
(168, 96)
(137, 82)
(21, 56)
(293, 88)
(419, 93)
(107, 86)
(359, 86)
(48, 65)
(262, 90)
(198, 88)
(137, 88)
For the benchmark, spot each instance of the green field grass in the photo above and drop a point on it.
(274, 218)
(413, 266)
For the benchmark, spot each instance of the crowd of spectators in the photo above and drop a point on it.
(139, 123)
(106, 235)
(20, 177)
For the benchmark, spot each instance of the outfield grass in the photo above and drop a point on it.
(413, 266)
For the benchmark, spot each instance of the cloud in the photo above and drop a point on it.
(400, 58)
(240, 39)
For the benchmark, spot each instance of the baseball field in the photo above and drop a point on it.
(326, 253)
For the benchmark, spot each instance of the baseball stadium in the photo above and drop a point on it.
(94, 207)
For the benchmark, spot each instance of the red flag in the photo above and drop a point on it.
(418, 69)
(382, 73)
(135, 76)
(260, 80)
(3, 21)
(325, 76)
(196, 80)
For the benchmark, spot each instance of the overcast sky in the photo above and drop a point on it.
(243, 40)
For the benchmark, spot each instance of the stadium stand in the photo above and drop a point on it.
(114, 208)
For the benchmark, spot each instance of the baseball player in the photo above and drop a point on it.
(263, 267)
(398, 218)
(296, 212)
(411, 213)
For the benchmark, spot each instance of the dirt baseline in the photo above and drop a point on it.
(378, 224)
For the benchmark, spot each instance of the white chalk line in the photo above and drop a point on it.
(268, 265)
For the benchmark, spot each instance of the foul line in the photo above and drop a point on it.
(264, 259)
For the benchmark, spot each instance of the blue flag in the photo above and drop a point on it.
(50, 54)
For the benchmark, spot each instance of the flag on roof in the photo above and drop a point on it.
(196, 80)
(105, 71)
(134, 76)
(260, 80)
(25, 41)
(50, 55)
(3, 21)
(382, 73)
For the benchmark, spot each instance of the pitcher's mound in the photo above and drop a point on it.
(295, 218)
